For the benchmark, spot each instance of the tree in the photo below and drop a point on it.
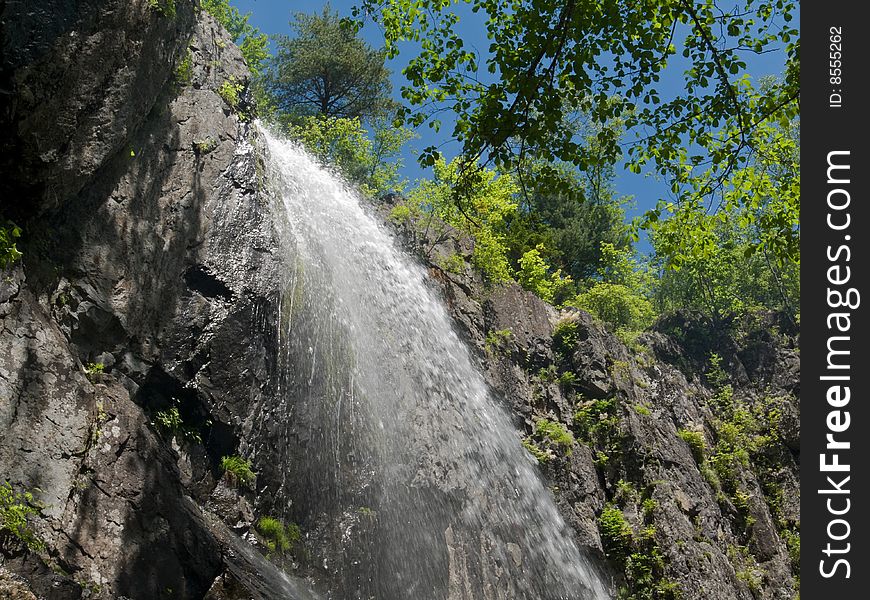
(327, 69)
(604, 58)
(370, 161)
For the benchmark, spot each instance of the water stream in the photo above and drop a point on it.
(396, 428)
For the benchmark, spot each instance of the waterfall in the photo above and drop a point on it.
(391, 429)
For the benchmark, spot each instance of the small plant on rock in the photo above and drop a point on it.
(238, 471)
(276, 535)
(15, 509)
(94, 370)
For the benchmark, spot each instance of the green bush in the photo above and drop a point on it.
(15, 509)
(616, 533)
(554, 435)
(565, 336)
(540, 454)
(497, 340)
(454, 264)
(616, 305)
(534, 275)
(695, 440)
(238, 470)
(230, 90)
(9, 253)
(184, 69)
(278, 536)
(94, 370)
(164, 7)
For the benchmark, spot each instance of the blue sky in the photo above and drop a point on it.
(273, 16)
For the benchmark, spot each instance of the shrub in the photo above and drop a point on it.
(534, 275)
(616, 305)
(238, 470)
(565, 336)
(554, 435)
(94, 370)
(616, 533)
(454, 264)
(164, 7)
(695, 440)
(203, 147)
(9, 253)
(540, 454)
(15, 509)
(230, 90)
(184, 69)
(278, 536)
(497, 340)
(400, 214)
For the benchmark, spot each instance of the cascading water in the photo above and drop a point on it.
(391, 421)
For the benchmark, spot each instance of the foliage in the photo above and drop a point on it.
(605, 59)
(744, 253)
(637, 553)
(170, 423)
(617, 305)
(371, 161)
(534, 275)
(9, 253)
(93, 370)
(482, 216)
(571, 219)
(15, 510)
(203, 147)
(555, 435)
(253, 44)
(326, 69)
(616, 533)
(497, 339)
(238, 470)
(278, 536)
(565, 335)
(541, 455)
(230, 91)
(164, 7)
(695, 440)
(184, 69)
(454, 263)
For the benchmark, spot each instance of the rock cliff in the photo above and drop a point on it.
(146, 290)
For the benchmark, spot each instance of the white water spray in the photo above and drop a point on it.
(396, 418)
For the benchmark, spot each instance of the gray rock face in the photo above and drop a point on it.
(149, 249)
(93, 70)
(714, 541)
